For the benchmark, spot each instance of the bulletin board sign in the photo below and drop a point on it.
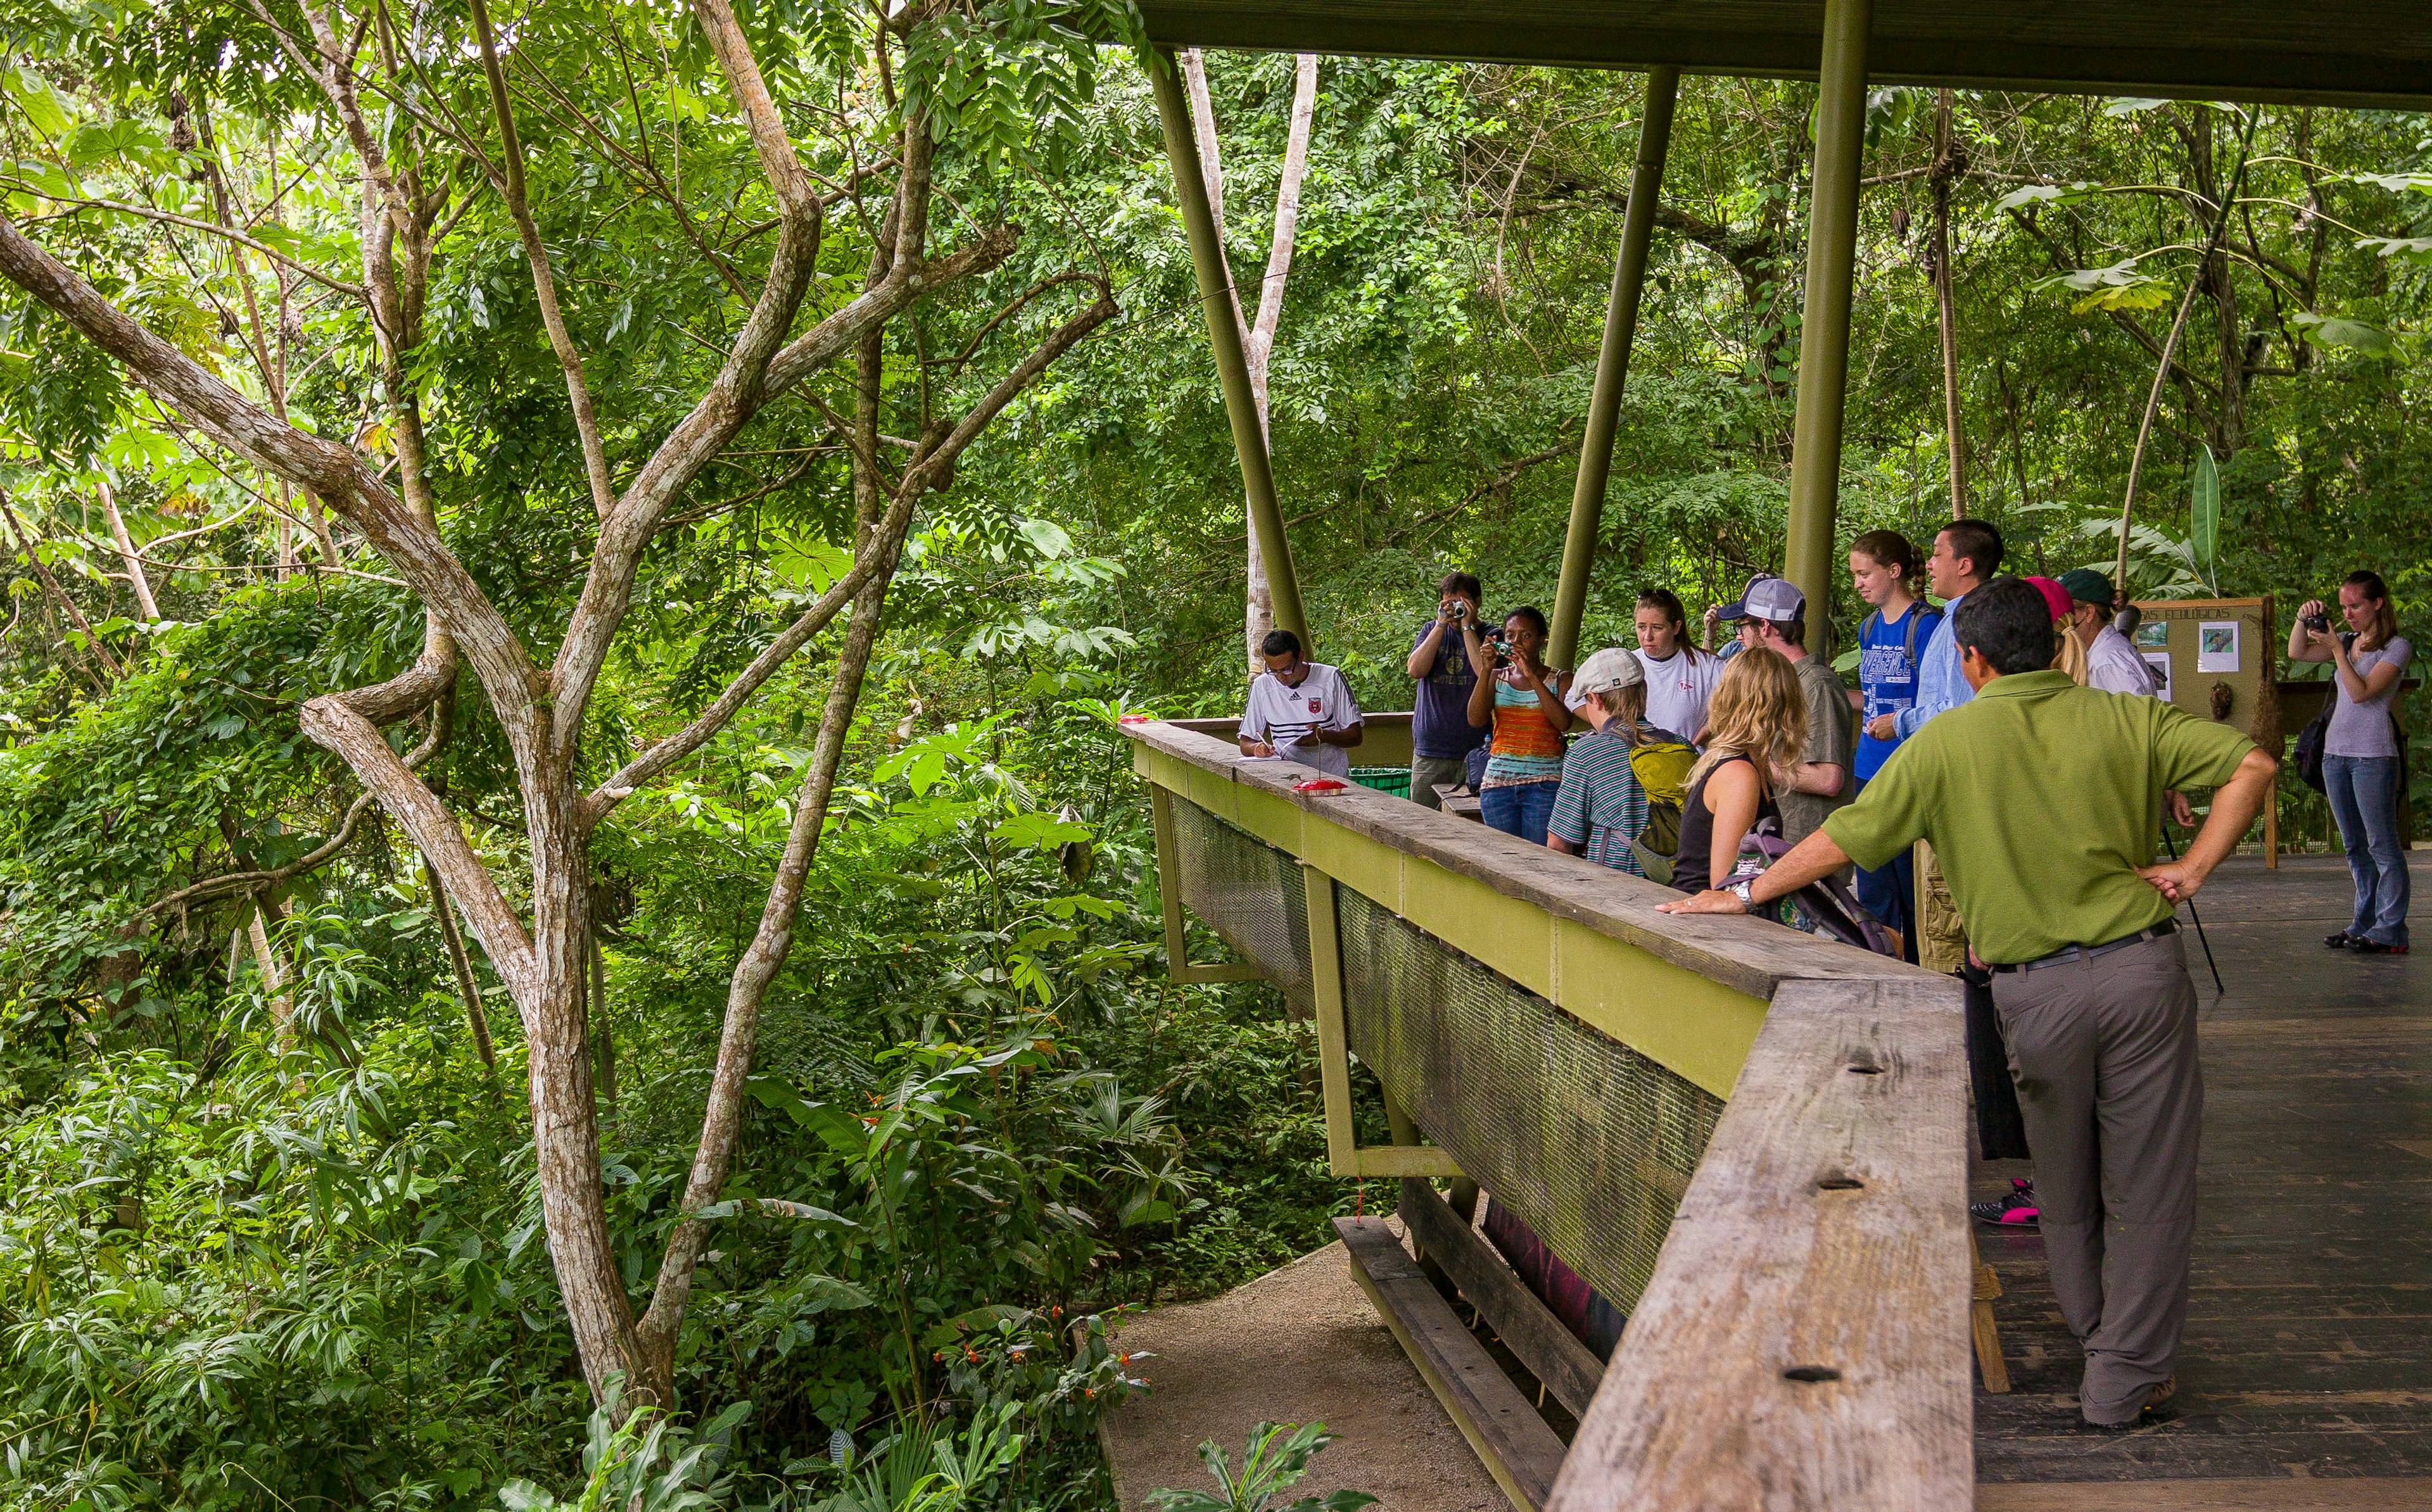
(2217, 660)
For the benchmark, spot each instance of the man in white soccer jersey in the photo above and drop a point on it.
(1301, 711)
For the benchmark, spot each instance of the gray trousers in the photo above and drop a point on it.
(1426, 771)
(2103, 1052)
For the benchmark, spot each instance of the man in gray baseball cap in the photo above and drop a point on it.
(1773, 614)
(1766, 599)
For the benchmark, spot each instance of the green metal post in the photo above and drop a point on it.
(1613, 364)
(1824, 325)
(1223, 307)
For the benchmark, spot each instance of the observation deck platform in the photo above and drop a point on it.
(2305, 1374)
(1754, 1144)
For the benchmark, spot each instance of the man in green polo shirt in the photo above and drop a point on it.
(2043, 799)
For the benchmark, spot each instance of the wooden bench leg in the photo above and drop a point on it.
(1989, 1333)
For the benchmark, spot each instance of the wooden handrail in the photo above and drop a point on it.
(1747, 954)
(1804, 1340)
(1804, 1344)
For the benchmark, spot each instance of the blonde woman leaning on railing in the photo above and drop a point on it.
(1757, 726)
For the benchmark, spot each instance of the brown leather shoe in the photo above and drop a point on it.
(2156, 1399)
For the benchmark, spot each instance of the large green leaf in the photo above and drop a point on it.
(2120, 286)
(2204, 516)
(1036, 831)
(2415, 248)
(42, 105)
(2152, 295)
(2397, 183)
(2350, 335)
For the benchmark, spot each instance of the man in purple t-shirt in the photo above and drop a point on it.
(1441, 736)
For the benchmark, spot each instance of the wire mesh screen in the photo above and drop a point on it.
(1589, 1141)
(1251, 893)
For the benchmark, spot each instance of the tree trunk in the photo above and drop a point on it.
(2229, 430)
(603, 1037)
(468, 988)
(2018, 441)
(1258, 335)
(1259, 605)
(274, 983)
(566, 1130)
(2213, 276)
(765, 956)
(144, 602)
(1947, 165)
(2171, 345)
(59, 596)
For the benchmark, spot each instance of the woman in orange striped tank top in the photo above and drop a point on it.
(1524, 702)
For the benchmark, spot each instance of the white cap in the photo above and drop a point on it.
(1609, 671)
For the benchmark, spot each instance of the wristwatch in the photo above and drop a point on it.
(1740, 890)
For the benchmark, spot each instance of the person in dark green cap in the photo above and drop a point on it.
(2112, 666)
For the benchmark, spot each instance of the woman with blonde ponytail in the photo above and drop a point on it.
(1757, 726)
(2071, 657)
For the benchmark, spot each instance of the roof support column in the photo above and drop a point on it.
(1824, 324)
(1613, 364)
(1222, 307)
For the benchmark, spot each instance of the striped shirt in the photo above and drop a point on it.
(1600, 808)
(1526, 749)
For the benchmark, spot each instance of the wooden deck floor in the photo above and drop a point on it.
(2307, 1371)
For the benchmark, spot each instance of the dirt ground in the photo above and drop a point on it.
(1299, 1344)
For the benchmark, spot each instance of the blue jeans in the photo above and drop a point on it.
(1522, 809)
(1889, 893)
(2363, 791)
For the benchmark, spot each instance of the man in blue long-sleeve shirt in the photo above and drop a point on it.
(1966, 554)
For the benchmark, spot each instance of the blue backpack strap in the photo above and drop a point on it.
(1908, 642)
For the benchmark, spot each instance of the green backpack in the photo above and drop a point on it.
(1661, 767)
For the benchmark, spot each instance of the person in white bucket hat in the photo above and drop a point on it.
(1601, 807)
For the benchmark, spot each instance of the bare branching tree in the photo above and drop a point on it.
(419, 166)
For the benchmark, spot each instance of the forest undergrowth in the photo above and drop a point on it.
(576, 926)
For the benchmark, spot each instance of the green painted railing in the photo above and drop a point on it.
(1751, 1139)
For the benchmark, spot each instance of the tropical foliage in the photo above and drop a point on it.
(744, 1074)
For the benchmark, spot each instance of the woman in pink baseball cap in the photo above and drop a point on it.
(2071, 658)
